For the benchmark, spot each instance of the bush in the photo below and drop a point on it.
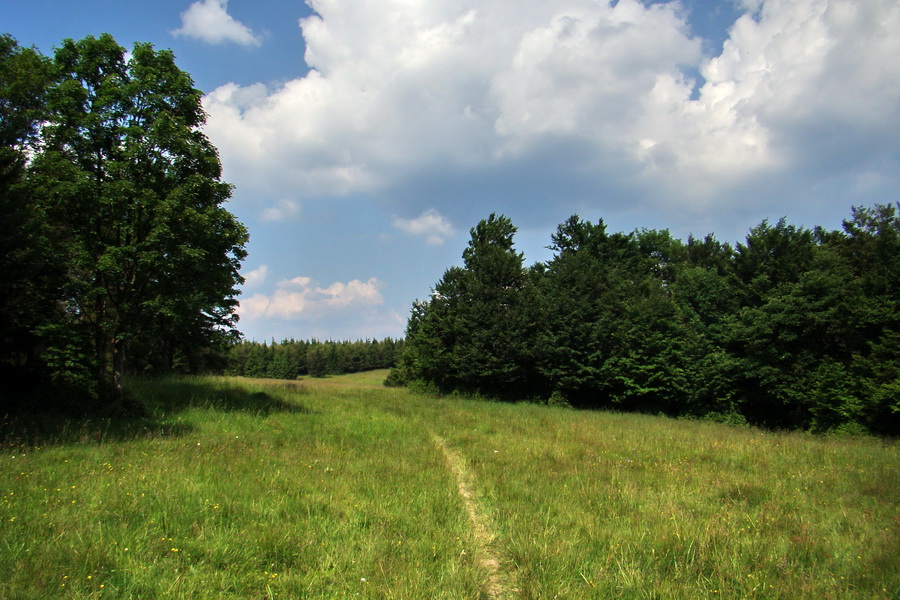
(398, 377)
(558, 399)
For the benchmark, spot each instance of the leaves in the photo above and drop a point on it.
(794, 328)
(129, 188)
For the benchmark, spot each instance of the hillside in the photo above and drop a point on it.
(340, 488)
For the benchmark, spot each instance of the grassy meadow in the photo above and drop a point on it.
(341, 488)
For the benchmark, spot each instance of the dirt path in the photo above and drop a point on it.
(498, 586)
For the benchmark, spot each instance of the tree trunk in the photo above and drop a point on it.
(118, 368)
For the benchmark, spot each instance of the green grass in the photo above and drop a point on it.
(599, 505)
(335, 488)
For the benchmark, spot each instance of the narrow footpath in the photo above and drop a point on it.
(498, 584)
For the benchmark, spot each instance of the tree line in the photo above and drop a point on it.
(116, 252)
(291, 359)
(793, 328)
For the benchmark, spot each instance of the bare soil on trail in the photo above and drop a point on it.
(498, 584)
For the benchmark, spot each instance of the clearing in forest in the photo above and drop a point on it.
(341, 488)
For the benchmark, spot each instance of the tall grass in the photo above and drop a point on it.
(335, 489)
(604, 505)
(297, 493)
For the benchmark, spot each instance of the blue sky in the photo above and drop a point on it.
(366, 138)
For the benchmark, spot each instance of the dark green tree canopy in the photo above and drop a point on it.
(793, 328)
(131, 189)
(24, 76)
(475, 333)
(29, 274)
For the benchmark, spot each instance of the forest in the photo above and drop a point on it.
(793, 328)
(291, 359)
(479, 468)
(117, 254)
(119, 257)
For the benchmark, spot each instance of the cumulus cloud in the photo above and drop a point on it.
(301, 298)
(431, 225)
(577, 91)
(208, 20)
(284, 210)
(798, 83)
(256, 277)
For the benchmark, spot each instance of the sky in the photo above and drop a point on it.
(365, 139)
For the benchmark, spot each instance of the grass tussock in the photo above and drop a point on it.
(335, 488)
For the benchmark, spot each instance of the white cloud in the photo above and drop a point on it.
(580, 74)
(256, 277)
(301, 298)
(208, 20)
(574, 93)
(284, 210)
(431, 225)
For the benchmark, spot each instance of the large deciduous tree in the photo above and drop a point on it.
(134, 190)
(29, 275)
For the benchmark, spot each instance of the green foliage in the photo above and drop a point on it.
(24, 77)
(70, 366)
(30, 272)
(476, 333)
(579, 292)
(128, 248)
(397, 377)
(291, 359)
(794, 328)
(558, 400)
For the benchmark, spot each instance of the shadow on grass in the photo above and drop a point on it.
(48, 428)
(148, 411)
(169, 395)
